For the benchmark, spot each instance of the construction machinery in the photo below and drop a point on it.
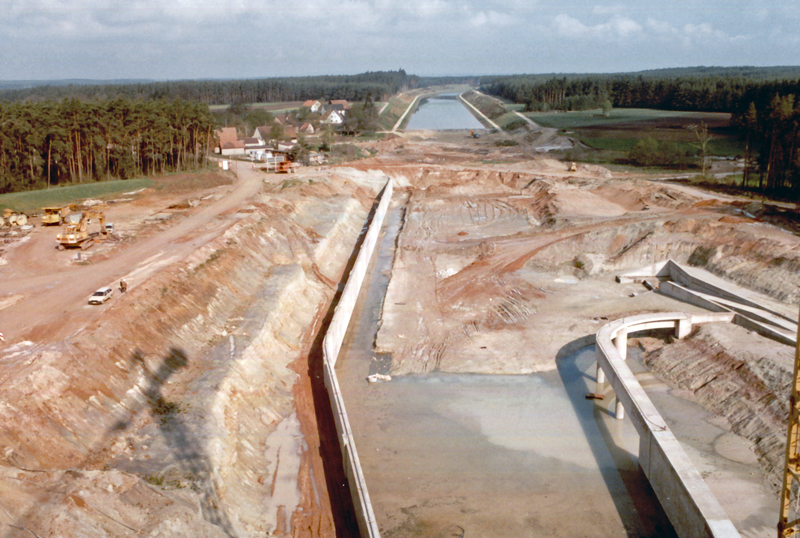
(12, 218)
(77, 235)
(285, 167)
(788, 520)
(56, 215)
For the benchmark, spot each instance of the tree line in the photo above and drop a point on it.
(769, 119)
(690, 89)
(379, 84)
(72, 141)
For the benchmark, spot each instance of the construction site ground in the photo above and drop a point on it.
(190, 405)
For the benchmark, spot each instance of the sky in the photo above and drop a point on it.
(194, 39)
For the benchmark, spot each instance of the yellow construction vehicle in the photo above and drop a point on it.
(56, 215)
(12, 218)
(77, 235)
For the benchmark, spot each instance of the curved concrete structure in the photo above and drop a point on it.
(701, 288)
(688, 502)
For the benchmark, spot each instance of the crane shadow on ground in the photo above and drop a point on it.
(184, 447)
(186, 450)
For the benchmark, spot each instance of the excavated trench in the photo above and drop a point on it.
(192, 408)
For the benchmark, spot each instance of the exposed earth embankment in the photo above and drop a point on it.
(190, 399)
(738, 375)
(486, 259)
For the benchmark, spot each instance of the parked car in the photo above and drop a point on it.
(100, 296)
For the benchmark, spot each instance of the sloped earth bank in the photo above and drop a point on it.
(187, 409)
(739, 376)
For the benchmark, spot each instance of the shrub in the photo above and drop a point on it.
(650, 152)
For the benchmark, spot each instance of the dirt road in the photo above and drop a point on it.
(38, 274)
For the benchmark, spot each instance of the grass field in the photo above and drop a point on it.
(610, 144)
(55, 196)
(590, 118)
(509, 121)
(610, 138)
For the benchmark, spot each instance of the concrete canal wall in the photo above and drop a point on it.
(332, 344)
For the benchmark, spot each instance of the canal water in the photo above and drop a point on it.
(483, 455)
(443, 112)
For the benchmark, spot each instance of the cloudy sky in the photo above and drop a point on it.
(189, 39)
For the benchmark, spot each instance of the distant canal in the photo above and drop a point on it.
(443, 112)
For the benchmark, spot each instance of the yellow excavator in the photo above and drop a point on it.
(77, 235)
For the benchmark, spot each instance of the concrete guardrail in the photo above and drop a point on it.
(688, 502)
(331, 346)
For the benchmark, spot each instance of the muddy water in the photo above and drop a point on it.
(440, 114)
(482, 455)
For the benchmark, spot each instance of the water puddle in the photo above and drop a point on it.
(285, 448)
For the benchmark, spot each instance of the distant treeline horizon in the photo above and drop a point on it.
(692, 89)
(379, 85)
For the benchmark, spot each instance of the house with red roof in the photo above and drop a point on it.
(343, 102)
(312, 105)
(226, 134)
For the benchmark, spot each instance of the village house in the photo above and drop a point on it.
(312, 105)
(307, 129)
(235, 147)
(332, 117)
(226, 135)
(290, 133)
(262, 132)
(341, 102)
(283, 119)
(339, 108)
